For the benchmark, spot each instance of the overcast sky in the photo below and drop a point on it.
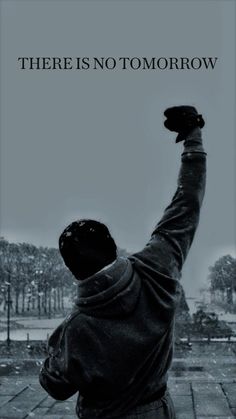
(92, 143)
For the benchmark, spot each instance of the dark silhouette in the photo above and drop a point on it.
(116, 346)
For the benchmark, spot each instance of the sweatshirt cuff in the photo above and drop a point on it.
(57, 387)
(193, 142)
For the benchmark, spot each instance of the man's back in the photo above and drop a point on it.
(116, 347)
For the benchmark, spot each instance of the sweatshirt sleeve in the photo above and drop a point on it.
(54, 383)
(53, 375)
(173, 235)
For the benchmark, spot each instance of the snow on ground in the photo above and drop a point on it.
(40, 323)
(34, 334)
(227, 317)
(37, 329)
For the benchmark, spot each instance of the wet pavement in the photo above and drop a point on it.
(202, 382)
(194, 398)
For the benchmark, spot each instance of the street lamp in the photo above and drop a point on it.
(39, 293)
(9, 302)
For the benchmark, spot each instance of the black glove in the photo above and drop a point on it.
(183, 119)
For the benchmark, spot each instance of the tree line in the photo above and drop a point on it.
(38, 279)
(222, 277)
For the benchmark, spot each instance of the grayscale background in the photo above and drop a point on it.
(92, 144)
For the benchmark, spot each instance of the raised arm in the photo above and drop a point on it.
(173, 235)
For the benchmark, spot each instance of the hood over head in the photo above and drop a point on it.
(112, 292)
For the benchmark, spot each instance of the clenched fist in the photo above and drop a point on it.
(182, 119)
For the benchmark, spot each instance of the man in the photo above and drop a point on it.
(116, 346)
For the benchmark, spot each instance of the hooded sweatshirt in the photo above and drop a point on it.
(116, 346)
